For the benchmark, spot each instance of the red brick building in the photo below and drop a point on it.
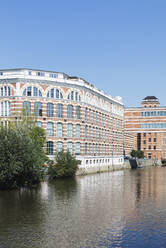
(145, 128)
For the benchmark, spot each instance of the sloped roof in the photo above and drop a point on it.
(150, 98)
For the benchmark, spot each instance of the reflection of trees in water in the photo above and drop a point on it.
(20, 206)
(64, 188)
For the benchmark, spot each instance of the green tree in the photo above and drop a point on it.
(66, 165)
(133, 153)
(22, 156)
(140, 154)
(137, 154)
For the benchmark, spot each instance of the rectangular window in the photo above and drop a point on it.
(85, 149)
(59, 110)
(50, 109)
(78, 148)
(78, 112)
(50, 129)
(78, 131)
(59, 130)
(86, 113)
(70, 147)
(70, 111)
(70, 130)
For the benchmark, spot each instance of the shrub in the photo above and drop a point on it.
(66, 165)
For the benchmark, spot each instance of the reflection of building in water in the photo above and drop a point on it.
(106, 199)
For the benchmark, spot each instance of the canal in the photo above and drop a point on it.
(116, 209)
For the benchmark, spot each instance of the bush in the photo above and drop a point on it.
(66, 165)
(21, 156)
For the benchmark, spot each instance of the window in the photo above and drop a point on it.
(38, 108)
(59, 110)
(59, 146)
(85, 149)
(70, 147)
(78, 112)
(50, 129)
(40, 74)
(50, 147)
(74, 96)
(70, 130)
(149, 147)
(149, 139)
(144, 141)
(86, 113)
(5, 91)
(144, 134)
(27, 108)
(53, 75)
(50, 109)
(154, 139)
(78, 131)
(39, 124)
(154, 147)
(86, 130)
(32, 91)
(55, 93)
(78, 148)
(70, 111)
(5, 108)
(59, 130)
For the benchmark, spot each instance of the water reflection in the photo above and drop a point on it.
(119, 209)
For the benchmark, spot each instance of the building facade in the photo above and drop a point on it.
(74, 114)
(146, 125)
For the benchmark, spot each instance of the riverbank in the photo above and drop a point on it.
(92, 169)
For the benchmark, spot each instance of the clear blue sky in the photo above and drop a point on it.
(118, 45)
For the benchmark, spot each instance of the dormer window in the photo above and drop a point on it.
(53, 75)
(1, 73)
(40, 74)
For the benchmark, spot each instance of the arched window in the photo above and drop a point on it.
(55, 93)
(50, 109)
(70, 147)
(38, 108)
(50, 147)
(5, 108)
(70, 111)
(32, 91)
(59, 146)
(50, 129)
(59, 110)
(5, 91)
(70, 130)
(59, 130)
(78, 148)
(26, 108)
(74, 96)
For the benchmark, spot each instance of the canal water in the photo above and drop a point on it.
(115, 209)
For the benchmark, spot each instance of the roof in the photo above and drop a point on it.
(150, 98)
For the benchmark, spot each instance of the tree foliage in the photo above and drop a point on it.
(66, 165)
(21, 155)
(137, 154)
